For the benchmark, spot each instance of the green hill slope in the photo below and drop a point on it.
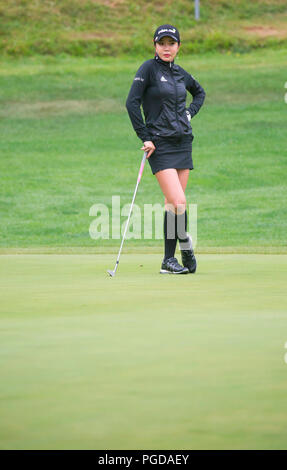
(100, 27)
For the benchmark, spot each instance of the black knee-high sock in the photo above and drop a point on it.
(170, 237)
(181, 224)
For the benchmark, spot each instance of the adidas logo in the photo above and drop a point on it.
(163, 79)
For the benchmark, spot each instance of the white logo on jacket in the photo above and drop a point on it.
(138, 78)
(163, 79)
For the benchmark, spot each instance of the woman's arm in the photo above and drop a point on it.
(134, 100)
(197, 92)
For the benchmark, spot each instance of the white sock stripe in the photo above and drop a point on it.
(186, 245)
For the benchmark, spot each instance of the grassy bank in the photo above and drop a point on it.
(113, 27)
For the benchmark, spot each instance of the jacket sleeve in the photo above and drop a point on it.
(134, 101)
(197, 92)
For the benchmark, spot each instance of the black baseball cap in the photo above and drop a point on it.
(166, 30)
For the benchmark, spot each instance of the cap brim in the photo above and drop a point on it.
(158, 38)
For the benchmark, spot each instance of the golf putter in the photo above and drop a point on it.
(110, 272)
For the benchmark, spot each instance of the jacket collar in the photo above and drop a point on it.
(170, 65)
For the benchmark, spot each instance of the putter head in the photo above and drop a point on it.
(111, 273)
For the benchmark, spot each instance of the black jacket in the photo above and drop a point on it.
(160, 87)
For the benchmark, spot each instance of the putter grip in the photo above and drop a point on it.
(142, 167)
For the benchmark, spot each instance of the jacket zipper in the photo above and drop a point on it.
(178, 125)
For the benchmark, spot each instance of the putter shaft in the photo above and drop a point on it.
(129, 216)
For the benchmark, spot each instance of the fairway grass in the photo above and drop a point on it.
(67, 144)
(142, 360)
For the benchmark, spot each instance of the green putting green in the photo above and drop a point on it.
(143, 360)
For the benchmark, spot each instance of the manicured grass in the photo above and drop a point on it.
(67, 143)
(142, 360)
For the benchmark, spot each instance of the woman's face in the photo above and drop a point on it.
(167, 48)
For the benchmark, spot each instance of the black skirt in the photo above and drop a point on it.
(171, 152)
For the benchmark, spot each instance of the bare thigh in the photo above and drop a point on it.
(183, 177)
(173, 183)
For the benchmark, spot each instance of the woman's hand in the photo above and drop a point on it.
(148, 147)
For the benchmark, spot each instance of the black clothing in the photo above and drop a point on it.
(189, 260)
(166, 30)
(171, 152)
(169, 230)
(172, 266)
(161, 89)
(181, 227)
(174, 228)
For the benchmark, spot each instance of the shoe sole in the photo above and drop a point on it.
(164, 271)
(191, 271)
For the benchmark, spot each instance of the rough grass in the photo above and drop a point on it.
(99, 28)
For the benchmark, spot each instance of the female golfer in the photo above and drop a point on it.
(160, 87)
